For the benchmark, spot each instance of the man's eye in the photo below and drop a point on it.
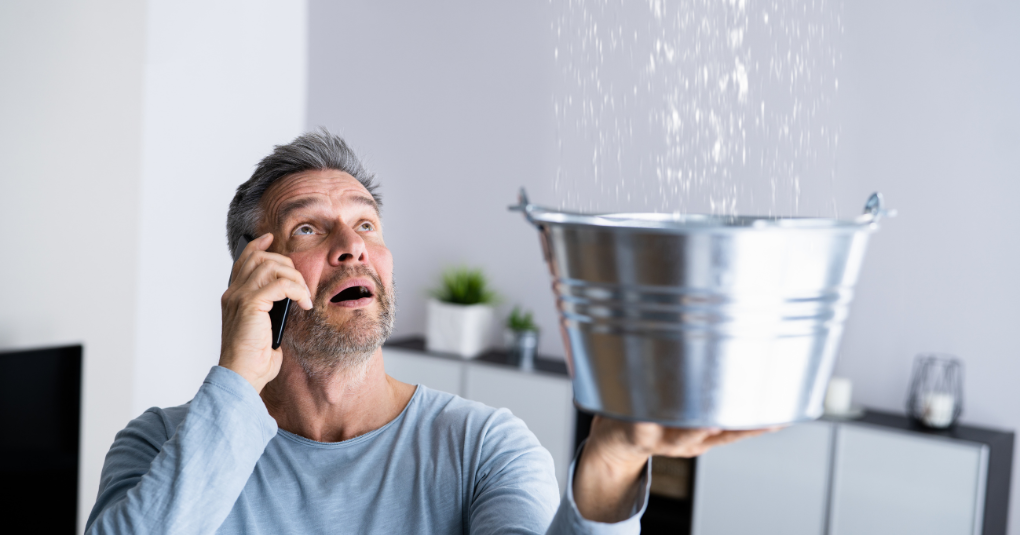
(366, 226)
(304, 230)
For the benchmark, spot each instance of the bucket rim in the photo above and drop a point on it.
(687, 223)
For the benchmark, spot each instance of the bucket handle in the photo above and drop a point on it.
(524, 205)
(873, 210)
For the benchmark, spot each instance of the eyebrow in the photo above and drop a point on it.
(368, 201)
(290, 207)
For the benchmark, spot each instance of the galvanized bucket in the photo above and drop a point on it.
(702, 321)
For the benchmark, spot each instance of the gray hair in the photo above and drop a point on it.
(311, 151)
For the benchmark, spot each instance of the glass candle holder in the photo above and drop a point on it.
(936, 391)
(522, 346)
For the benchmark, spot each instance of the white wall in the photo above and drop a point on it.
(224, 82)
(70, 153)
(452, 104)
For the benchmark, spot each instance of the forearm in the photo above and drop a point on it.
(191, 485)
(607, 491)
(625, 514)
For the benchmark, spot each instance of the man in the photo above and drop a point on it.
(314, 436)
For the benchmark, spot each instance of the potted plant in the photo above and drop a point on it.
(522, 338)
(460, 314)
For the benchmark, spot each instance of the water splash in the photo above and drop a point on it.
(719, 106)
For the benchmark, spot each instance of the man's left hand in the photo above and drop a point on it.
(610, 466)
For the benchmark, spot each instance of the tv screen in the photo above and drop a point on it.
(40, 410)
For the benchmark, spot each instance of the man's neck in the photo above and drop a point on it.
(339, 407)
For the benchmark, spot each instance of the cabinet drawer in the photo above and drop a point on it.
(896, 482)
(772, 484)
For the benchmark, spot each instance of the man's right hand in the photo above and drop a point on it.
(257, 279)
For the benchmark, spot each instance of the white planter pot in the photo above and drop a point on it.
(459, 329)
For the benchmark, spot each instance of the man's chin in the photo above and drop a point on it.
(349, 321)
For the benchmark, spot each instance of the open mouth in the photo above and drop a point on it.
(352, 293)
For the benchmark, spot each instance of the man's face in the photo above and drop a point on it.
(329, 226)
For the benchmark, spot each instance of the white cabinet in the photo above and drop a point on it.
(445, 375)
(772, 484)
(878, 475)
(895, 482)
(544, 401)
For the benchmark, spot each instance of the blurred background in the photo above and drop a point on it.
(126, 126)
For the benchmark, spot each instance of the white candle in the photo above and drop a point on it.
(837, 397)
(938, 409)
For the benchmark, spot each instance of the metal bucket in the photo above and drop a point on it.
(702, 321)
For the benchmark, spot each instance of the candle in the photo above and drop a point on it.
(837, 398)
(938, 409)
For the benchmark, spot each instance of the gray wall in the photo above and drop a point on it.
(452, 104)
(930, 117)
(451, 107)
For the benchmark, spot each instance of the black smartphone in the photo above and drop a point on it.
(278, 314)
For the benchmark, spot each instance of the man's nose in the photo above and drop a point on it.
(347, 247)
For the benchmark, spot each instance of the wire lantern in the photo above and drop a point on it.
(936, 390)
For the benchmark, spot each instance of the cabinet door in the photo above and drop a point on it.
(772, 484)
(544, 402)
(418, 368)
(888, 482)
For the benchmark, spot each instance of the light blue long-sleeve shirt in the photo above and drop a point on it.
(219, 464)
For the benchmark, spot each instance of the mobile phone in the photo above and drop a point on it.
(278, 314)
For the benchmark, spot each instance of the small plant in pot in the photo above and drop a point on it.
(460, 314)
(522, 338)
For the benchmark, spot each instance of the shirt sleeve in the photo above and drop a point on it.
(516, 491)
(159, 480)
(569, 520)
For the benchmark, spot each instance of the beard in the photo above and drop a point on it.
(323, 348)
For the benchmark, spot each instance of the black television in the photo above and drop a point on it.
(40, 411)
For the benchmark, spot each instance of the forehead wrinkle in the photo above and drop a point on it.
(288, 207)
(293, 205)
(278, 207)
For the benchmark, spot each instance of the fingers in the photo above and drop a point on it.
(257, 272)
(280, 281)
(727, 437)
(263, 297)
(680, 442)
(619, 439)
(261, 243)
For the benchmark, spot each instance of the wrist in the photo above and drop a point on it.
(605, 485)
(614, 462)
(253, 379)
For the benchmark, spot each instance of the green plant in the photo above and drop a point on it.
(465, 286)
(520, 321)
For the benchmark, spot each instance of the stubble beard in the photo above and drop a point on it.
(324, 349)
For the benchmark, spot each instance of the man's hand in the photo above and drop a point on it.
(257, 279)
(611, 463)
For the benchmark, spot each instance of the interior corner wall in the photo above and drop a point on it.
(70, 124)
(451, 104)
(225, 81)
